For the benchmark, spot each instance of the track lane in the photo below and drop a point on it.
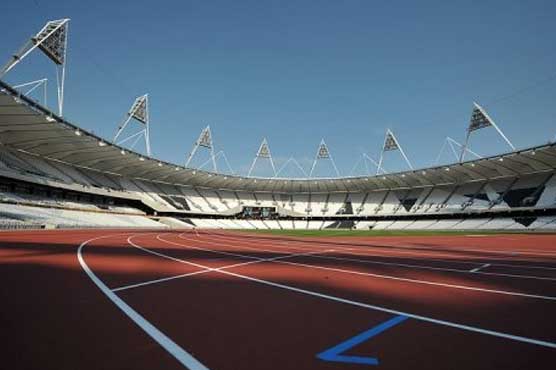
(395, 258)
(117, 265)
(252, 298)
(298, 278)
(228, 320)
(434, 275)
(477, 249)
(182, 356)
(53, 317)
(417, 259)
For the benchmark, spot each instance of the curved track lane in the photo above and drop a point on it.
(223, 300)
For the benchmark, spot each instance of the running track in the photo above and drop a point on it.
(131, 299)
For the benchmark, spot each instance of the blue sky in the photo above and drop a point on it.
(299, 71)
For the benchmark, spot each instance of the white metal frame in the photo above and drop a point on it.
(375, 163)
(389, 133)
(49, 29)
(141, 102)
(204, 143)
(492, 123)
(218, 155)
(261, 154)
(451, 142)
(295, 162)
(361, 158)
(319, 155)
(35, 85)
(365, 158)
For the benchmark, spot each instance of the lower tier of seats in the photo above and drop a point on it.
(533, 223)
(14, 216)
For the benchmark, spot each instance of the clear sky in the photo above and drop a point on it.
(299, 71)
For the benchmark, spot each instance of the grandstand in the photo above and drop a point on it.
(55, 174)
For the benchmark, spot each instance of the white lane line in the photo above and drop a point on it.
(410, 251)
(361, 304)
(425, 282)
(149, 282)
(229, 240)
(407, 280)
(529, 253)
(524, 266)
(431, 268)
(174, 277)
(186, 359)
(482, 267)
(226, 253)
(255, 249)
(313, 245)
(476, 270)
(534, 253)
(233, 253)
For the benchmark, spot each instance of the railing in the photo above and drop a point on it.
(16, 225)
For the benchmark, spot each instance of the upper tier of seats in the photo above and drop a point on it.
(535, 190)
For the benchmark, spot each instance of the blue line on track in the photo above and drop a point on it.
(334, 354)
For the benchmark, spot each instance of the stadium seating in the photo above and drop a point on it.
(61, 218)
(61, 187)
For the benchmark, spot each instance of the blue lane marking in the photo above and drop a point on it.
(335, 353)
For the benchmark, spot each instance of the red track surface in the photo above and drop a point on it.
(312, 294)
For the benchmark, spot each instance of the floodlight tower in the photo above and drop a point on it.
(139, 112)
(391, 143)
(263, 153)
(203, 141)
(52, 40)
(323, 153)
(480, 119)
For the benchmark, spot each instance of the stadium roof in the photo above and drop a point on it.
(27, 126)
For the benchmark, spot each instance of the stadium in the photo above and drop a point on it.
(428, 259)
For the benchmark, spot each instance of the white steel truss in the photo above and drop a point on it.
(451, 143)
(391, 143)
(365, 158)
(218, 155)
(139, 112)
(357, 163)
(295, 162)
(263, 153)
(52, 40)
(203, 141)
(323, 153)
(480, 119)
(35, 85)
(375, 163)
